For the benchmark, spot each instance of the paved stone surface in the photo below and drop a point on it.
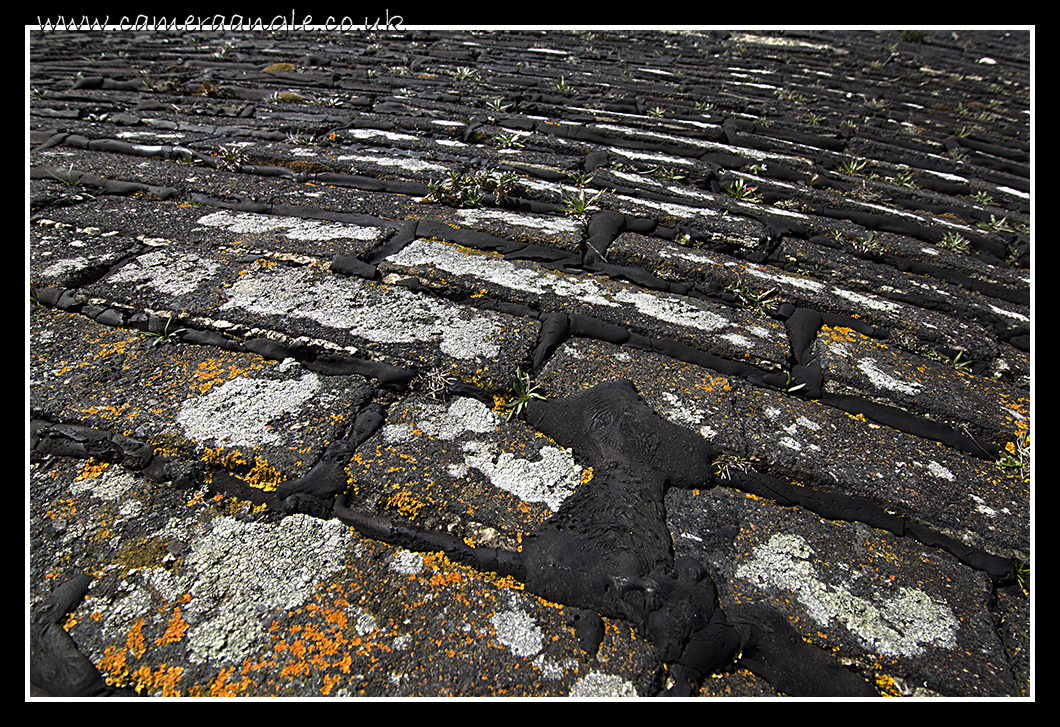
(295, 303)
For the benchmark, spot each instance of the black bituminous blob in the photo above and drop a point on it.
(608, 547)
(72, 440)
(773, 650)
(56, 667)
(313, 492)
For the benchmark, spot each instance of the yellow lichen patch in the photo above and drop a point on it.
(160, 682)
(215, 371)
(112, 666)
(403, 504)
(263, 476)
(135, 640)
(143, 552)
(91, 469)
(887, 687)
(175, 629)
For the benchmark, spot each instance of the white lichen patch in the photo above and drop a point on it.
(239, 412)
(462, 415)
(518, 632)
(865, 300)
(893, 623)
(939, 471)
(882, 380)
(538, 224)
(295, 228)
(408, 164)
(239, 570)
(166, 272)
(672, 309)
(551, 479)
(376, 313)
(496, 270)
(598, 685)
(406, 562)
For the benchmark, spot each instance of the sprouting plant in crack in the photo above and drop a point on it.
(725, 464)
(437, 383)
(790, 387)
(164, 336)
(560, 84)
(983, 198)
(1023, 575)
(580, 204)
(749, 298)
(508, 141)
(669, 174)
(869, 243)
(580, 178)
(904, 179)
(741, 190)
(497, 104)
(469, 190)
(1017, 456)
(524, 392)
(69, 179)
(463, 74)
(959, 363)
(996, 225)
(954, 241)
(853, 166)
(231, 158)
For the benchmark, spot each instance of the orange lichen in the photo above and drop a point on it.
(91, 469)
(175, 629)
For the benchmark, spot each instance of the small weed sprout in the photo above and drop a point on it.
(984, 198)
(580, 178)
(655, 112)
(996, 225)
(524, 392)
(959, 363)
(954, 241)
(670, 175)
(469, 190)
(867, 244)
(231, 158)
(1023, 575)
(725, 464)
(904, 179)
(560, 84)
(853, 166)
(437, 383)
(580, 204)
(164, 336)
(508, 141)
(790, 387)
(497, 105)
(749, 298)
(1017, 456)
(69, 179)
(463, 74)
(741, 190)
